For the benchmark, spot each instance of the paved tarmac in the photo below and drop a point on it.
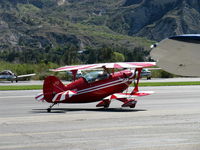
(166, 120)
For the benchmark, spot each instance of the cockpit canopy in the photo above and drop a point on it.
(95, 76)
(6, 72)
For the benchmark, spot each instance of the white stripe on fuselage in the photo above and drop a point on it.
(101, 85)
(96, 88)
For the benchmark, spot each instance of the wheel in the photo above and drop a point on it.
(48, 110)
(105, 107)
(148, 78)
(132, 106)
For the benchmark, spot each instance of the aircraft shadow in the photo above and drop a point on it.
(64, 110)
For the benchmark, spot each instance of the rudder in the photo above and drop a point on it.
(52, 85)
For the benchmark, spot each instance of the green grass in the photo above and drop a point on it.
(38, 87)
(21, 87)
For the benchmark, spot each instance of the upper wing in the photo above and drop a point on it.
(77, 67)
(117, 65)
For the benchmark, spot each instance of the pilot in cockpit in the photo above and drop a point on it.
(102, 75)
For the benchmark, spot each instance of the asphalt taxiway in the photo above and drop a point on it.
(168, 119)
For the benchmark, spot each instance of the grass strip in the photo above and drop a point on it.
(20, 87)
(38, 87)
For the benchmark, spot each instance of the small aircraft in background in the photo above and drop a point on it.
(104, 86)
(9, 75)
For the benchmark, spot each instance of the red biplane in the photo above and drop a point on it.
(103, 86)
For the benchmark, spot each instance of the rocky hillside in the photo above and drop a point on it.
(45, 24)
(156, 19)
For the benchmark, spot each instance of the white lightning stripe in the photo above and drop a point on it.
(63, 96)
(39, 97)
(101, 87)
(71, 93)
(55, 97)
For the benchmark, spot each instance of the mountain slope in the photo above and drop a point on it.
(157, 19)
(42, 23)
(37, 25)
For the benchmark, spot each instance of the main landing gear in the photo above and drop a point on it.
(104, 103)
(130, 103)
(50, 107)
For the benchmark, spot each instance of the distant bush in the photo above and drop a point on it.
(161, 74)
(165, 74)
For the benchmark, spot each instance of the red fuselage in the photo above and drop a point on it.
(97, 90)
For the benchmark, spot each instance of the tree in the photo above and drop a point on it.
(105, 54)
(117, 57)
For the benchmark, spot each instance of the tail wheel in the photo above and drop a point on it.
(50, 107)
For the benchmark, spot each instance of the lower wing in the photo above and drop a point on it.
(129, 95)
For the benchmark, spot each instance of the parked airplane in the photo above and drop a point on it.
(102, 86)
(9, 75)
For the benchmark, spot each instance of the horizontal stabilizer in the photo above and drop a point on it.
(40, 97)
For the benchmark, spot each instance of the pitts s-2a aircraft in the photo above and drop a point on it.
(103, 86)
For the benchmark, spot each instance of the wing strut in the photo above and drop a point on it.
(74, 72)
(138, 79)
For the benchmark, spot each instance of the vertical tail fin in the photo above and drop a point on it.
(52, 85)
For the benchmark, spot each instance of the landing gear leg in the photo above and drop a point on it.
(50, 107)
(104, 103)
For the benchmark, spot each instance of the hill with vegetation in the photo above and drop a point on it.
(59, 31)
(90, 31)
